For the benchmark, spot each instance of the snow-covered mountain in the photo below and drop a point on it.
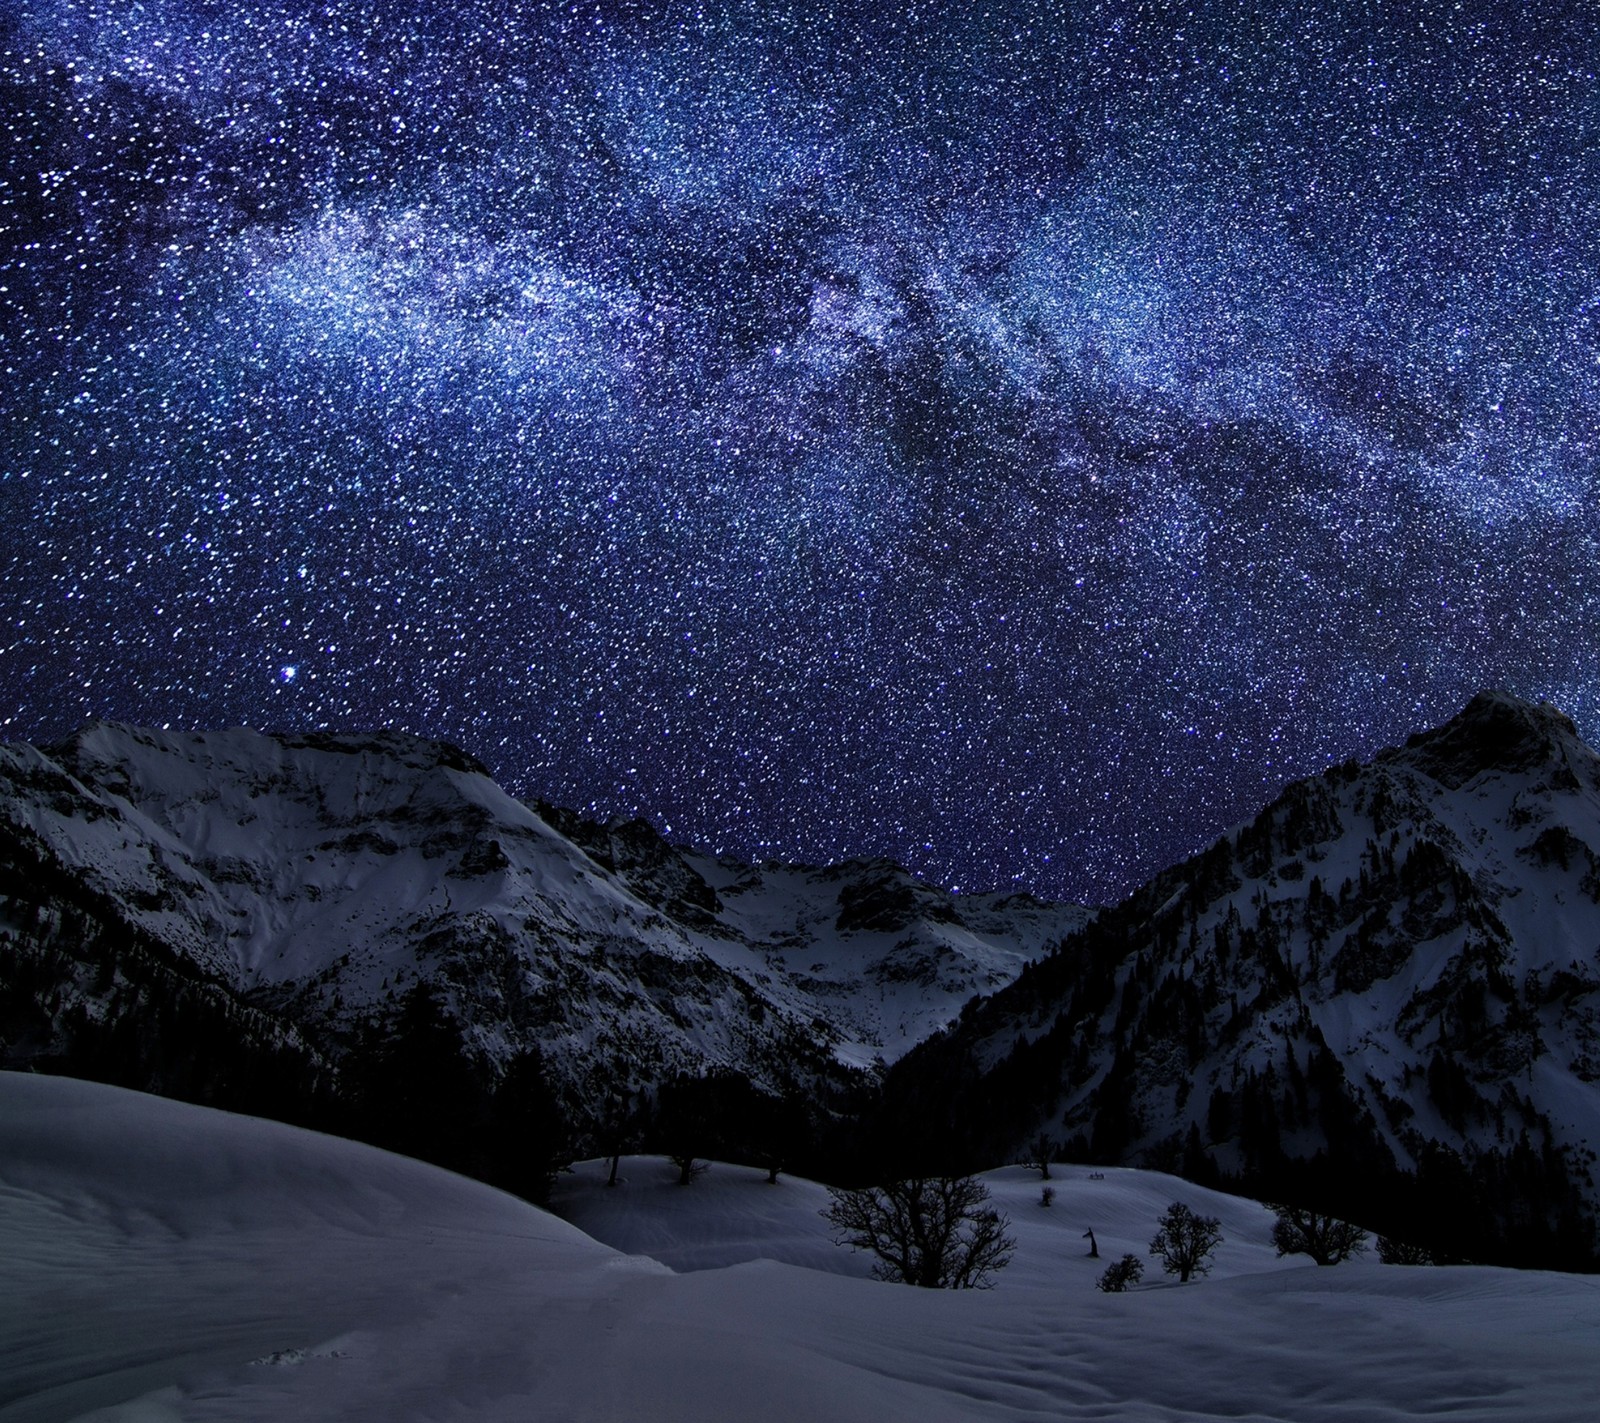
(167, 1262)
(1383, 993)
(1385, 989)
(318, 879)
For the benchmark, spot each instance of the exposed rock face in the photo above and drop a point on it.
(1496, 734)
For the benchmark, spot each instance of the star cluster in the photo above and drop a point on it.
(1014, 439)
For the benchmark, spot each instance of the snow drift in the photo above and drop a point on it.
(166, 1262)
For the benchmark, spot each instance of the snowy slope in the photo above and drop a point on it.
(730, 1215)
(325, 875)
(163, 1262)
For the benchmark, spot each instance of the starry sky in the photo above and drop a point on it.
(1013, 438)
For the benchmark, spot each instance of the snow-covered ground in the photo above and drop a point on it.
(160, 1262)
(730, 1215)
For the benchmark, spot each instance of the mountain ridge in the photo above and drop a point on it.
(325, 876)
(1387, 984)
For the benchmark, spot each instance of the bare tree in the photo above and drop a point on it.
(776, 1126)
(1042, 1151)
(688, 1167)
(1094, 1245)
(936, 1231)
(1325, 1238)
(685, 1121)
(1185, 1241)
(617, 1132)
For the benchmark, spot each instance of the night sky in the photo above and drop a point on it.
(1014, 439)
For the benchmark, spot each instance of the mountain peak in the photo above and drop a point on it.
(1495, 731)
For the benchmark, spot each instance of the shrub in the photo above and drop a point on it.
(1400, 1252)
(1129, 1270)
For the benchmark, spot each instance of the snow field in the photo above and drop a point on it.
(164, 1262)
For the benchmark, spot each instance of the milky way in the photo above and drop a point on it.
(1014, 440)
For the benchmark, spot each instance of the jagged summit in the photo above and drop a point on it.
(1494, 732)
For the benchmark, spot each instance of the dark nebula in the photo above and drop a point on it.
(1014, 439)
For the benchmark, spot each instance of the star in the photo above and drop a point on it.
(1014, 441)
